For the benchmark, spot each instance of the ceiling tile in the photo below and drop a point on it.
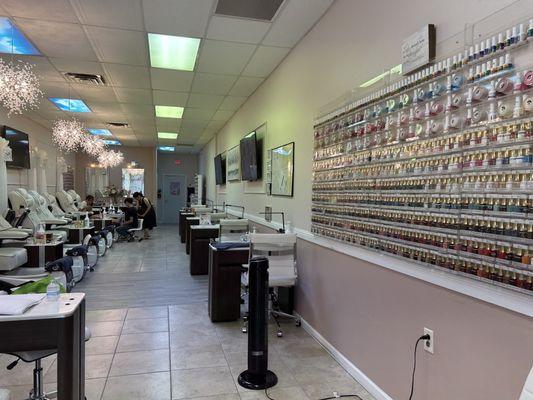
(237, 29)
(212, 83)
(168, 124)
(94, 93)
(165, 79)
(205, 101)
(141, 110)
(264, 60)
(214, 126)
(129, 76)
(83, 67)
(118, 45)
(294, 21)
(223, 115)
(232, 103)
(138, 96)
(51, 10)
(190, 127)
(245, 86)
(55, 89)
(71, 43)
(224, 57)
(42, 68)
(126, 14)
(104, 107)
(166, 98)
(182, 18)
(198, 114)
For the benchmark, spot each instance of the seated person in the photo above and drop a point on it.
(87, 204)
(131, 220)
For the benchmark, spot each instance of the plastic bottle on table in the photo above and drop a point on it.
(53, 290)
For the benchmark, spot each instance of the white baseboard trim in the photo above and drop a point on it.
(350, 367)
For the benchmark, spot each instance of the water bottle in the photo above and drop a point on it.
(39, 234)
(53, 290)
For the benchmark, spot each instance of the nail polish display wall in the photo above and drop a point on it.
(438, 167)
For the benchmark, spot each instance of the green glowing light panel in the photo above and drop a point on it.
(173, 52)
(168, 112)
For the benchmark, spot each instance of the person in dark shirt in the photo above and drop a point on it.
(131, 219)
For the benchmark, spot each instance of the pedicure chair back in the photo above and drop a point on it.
(66, 202)
(20, 198)
(51, 202)
(75, 197)
(42, 207)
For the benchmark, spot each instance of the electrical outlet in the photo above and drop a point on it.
(429, 345)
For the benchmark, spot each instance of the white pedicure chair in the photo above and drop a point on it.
(20, 198)
(51, 202)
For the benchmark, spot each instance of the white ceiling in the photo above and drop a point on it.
(109, 37)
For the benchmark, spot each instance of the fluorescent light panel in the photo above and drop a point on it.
(13, 41)
(173, 52)
(166, 148)
(394, 70)
(72, 105)
(113, 142)
(168, 112)
(167, 135)
(99, 132)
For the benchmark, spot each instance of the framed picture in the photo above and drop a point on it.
(233, 162)
(282, 159)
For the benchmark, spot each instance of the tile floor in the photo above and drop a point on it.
(172, 351)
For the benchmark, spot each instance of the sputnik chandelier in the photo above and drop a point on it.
(68, 135)
(110, 158)
(93, 145)
(19, 87)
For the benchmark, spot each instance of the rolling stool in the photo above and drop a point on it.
(37, 393)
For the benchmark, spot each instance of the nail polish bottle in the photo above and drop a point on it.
(501, 41)
(476, 51)
(487, 47)
(494, 45)
(522, 34)
(508, 38)
(507, 62)
(482, 49)
(471, 54)
(530, 29)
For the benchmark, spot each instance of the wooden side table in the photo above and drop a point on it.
(201, 236)
(40, 254)
(224, 301)
(189, 221)
(183, 216)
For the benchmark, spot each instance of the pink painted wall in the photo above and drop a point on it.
(373, 316)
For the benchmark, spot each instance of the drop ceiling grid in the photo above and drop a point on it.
(127, 68)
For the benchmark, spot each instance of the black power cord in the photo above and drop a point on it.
(325, 398)
(421, 338)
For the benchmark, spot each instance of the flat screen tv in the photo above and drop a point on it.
(250, 163)
(220, 169)
(20, 147)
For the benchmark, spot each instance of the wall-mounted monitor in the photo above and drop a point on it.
(20, 147)
(250, 158)
(220, 169)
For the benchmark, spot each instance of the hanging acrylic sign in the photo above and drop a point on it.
(418, 49)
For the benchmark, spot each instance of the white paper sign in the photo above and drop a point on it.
(418, 49)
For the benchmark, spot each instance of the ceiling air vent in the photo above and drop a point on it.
(117, 124)
(87, 79)
(253, 9)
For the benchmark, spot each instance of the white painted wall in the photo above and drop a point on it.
(39, 136)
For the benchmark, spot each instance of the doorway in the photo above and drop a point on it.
(174, 197)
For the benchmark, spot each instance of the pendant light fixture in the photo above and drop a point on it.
(19, 85)
(68, 135)
(110, 158)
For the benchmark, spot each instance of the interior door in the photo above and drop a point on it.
(174, 197)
